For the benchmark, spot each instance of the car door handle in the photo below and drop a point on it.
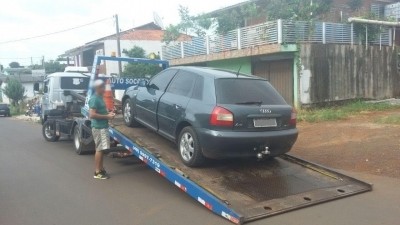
(153, 100)
(178, 107)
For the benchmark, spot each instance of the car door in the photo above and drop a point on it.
(173, 103)
(147, 98)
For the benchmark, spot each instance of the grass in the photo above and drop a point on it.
(391, 119)
(334, 113)
(17, 110)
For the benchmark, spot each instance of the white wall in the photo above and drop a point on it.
(111, 46)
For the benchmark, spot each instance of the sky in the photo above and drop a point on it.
(26, 18)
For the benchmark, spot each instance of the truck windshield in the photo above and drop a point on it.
(247, 92)
(3, 106)
(74, 83)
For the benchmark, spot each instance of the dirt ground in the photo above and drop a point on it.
(356, 144)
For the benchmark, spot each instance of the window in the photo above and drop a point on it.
(161, 80)
(74, 83)
(198, 88)
(241, 91)
(182, 84)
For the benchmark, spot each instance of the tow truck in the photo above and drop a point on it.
(238, 190)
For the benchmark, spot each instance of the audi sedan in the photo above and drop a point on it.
(213, 113)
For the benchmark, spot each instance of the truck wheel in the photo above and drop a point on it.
(190, 148)
(128, 115)
(80, 147)
(49, 133)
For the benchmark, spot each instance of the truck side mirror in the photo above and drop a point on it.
(45, 89)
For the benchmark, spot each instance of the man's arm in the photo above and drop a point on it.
(94, 115)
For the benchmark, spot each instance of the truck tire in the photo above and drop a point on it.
(190, 148)
(48, 131)
(128, 115)
(80, 147)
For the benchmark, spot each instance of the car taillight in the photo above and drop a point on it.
(221, 117)
(293, 118)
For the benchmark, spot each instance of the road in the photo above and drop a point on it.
(45, 183)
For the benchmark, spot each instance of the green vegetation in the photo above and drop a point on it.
(342, 112)
(14, 91)
(391, 119)
(139, 70)
(17, 109)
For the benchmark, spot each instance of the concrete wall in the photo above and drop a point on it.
(341, 72)
(111, 46)
(233, 64)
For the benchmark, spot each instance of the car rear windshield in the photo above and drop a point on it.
(3, 106)
(247, 91)
(74, 83)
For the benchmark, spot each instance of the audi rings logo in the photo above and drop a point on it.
(265, 111)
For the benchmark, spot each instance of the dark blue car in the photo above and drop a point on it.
(212, 113)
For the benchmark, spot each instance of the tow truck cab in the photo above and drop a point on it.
(54, 97)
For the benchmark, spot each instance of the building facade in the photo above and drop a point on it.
(307, 62)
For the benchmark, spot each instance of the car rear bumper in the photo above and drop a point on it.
(227, 144)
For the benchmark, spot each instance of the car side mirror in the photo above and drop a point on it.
(143, 83)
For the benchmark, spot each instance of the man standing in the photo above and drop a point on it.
(99, 116)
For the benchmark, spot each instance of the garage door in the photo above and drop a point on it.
(280, 75)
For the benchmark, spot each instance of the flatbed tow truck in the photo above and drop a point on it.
(238, 190)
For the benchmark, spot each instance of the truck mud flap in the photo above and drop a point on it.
(241, 190)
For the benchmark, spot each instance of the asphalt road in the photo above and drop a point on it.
(45, 183)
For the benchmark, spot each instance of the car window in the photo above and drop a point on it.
(242, 91)
(161, 80)
(182, 84)
(198, 88)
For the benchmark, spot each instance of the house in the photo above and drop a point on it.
(27, 80)
(307, 62)
(148, 36)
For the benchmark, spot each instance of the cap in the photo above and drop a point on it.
(98, 83)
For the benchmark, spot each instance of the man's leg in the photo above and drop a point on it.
(98, 159)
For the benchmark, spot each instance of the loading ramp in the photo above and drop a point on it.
(241, 190)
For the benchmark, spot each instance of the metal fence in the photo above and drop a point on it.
(273, 32)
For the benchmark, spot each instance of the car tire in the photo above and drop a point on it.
(80, 147)
(190, 148)
(48, 132)
(128, 115)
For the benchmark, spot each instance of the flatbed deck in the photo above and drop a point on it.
(252, 189)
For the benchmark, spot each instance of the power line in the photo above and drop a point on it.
(33, 57)
(56, 32)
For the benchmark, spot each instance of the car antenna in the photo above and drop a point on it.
(238, 72)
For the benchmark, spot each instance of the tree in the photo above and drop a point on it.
(139, 70)
(14, 65)
(355, 4)
(297, 9)
(14, 91)
(54, 66)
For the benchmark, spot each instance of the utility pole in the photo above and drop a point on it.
(118, 44)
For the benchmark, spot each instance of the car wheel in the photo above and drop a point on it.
(48, 131)
(80, 147)
(128, 115)
(190, 148)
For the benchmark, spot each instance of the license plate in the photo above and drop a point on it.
(264, 122)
